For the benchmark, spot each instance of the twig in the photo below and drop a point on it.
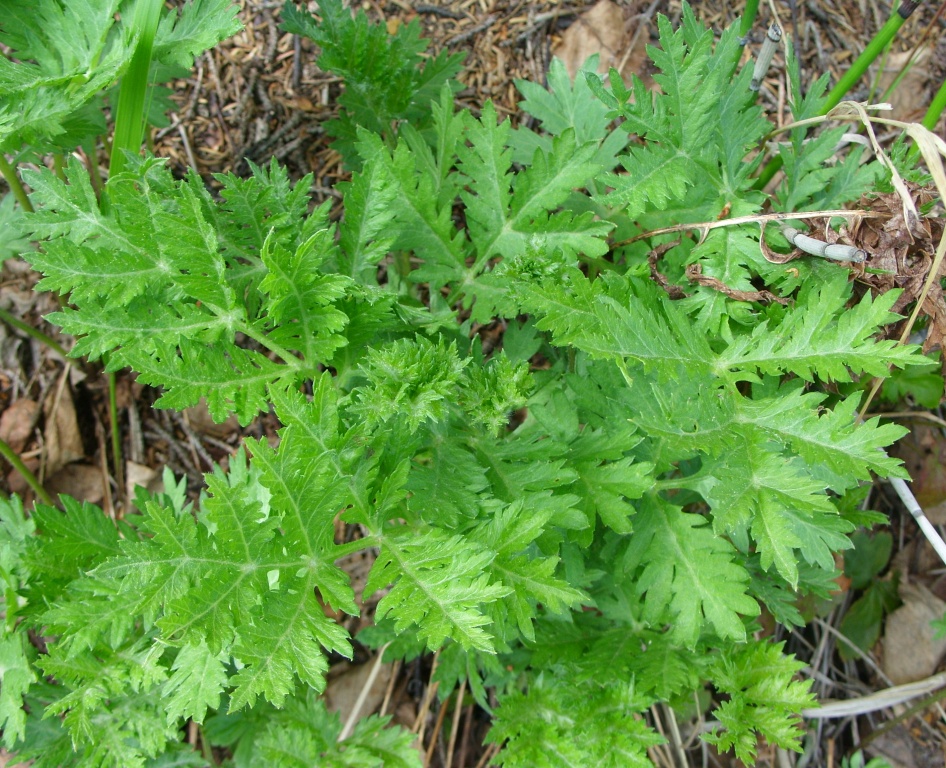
(675, 739)
(464, 36)
(913, 415)
(643, 21)
(438, 10)
(883, 699)
(706, 226)
(455, 725)
(390, 689)
(182, 132)
(362, 696)
(465, 739)
(488, 755)
(435, 736)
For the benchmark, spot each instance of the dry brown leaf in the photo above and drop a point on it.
(81, 481)
(904, 250)
(63, 443)
(143, 475)
(603, 30)
(345, 686)
(911, 96)
(198, 417)
(17, 422)
(897, 747)
(694, 274)
(910, 650)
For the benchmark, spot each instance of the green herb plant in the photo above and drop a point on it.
(675, 467)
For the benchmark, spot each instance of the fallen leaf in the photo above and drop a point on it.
(902, 246)
(17, 423)
(896, 747)
(910, 651)
(344, 688)
(198, 417)
(63, 444)
(16, 482)
(81, 481)
(911, 96)
(604, 30)
(143, 475)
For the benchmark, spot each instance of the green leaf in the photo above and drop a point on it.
(822, 335)
(305, 734)
(686, 574)
(196, 27)
(16, 676)
(531, 577)
(868, 558)
(557, 724)
(412, 380)
(386, 75)
(764, 699)
(619, 319)
(365, 230)
(197, 679)
(864, 620)
(13, 225)
(60, 62)
(439, 585)
(301, 297)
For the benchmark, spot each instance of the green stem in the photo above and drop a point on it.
(876, 46)
(936, 108)
(59, 166)
(402, 262)
(16, 186)
(748, 17)
(133, 92)
(41, 337)
(11, 456)
(850, 78)
(284, 354)
(690, 483)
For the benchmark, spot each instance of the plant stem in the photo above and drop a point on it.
(11, 456)
(937, 105)
(129, 119)
(16, 186)
(877, 44)
(874, 48)
(748, 18)
(59, 166)
(118, 466)
(284, 354)
(41, 337)
(90, 153)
